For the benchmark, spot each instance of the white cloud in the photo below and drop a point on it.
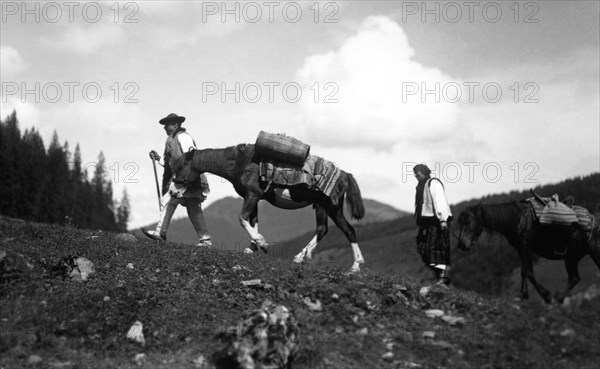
(184, 24)
(11, 61)
(370, 68)
(88, 39)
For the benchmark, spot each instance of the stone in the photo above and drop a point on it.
(428, 335)
(362, 331)
(139, 358)
(410, 364)
(75, 268)
(434, 313)
(388, 356)
(424, 291)
(313, 306)
(568, 332)
(33, 360)
(252, 282)
(263, 338)
(126, 237)
(200, 362)
(129, 266)
(136, 333)
(83, 270)
(453, 320)
(13, 266)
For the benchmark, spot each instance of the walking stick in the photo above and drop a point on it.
(157, 188)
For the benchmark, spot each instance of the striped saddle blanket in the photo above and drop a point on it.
(317, 173)
(558, 213)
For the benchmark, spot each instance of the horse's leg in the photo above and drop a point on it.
(337, 215)
(527, 273)
(321, 231)
(250, 204)
(254, 224)
(571, 263)
(594, 246)
(518, 245)
(524, 272)
(523, 241)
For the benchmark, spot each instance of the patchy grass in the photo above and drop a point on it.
(184, 295)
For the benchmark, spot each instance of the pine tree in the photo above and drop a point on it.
(33, 157)
(54, 199)
(76, 184)
(104, 216)
(45, 186)
(123, 212)
(10, 162)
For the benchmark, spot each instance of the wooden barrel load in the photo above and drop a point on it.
(283, 148)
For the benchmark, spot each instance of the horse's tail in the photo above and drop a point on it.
(355, 201)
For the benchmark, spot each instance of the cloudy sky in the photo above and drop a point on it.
(493, 96)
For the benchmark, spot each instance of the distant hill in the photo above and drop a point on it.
(389, 246)
(275, 224)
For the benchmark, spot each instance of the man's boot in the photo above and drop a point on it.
(443, 275)
(155, 235)
(205, 241)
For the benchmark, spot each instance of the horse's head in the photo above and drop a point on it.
(183, 170)
(471, 226)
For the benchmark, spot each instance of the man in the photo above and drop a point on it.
(433, 214)
(178, 143)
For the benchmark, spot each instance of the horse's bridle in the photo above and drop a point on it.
(461, 245)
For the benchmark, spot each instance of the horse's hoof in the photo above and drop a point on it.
(355, 269)
(252, 247)
(263, 247)
(298, 260)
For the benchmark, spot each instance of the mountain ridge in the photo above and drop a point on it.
(275, 224)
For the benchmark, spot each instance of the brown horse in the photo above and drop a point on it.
(240, 166)
(516, 221)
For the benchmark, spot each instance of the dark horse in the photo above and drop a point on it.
(516, 221)
(240, 166)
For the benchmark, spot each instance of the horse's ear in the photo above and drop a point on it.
(189, 155)
(569, 201)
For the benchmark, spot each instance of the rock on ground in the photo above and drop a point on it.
(75, 268)
(13, 266)
(265, 338)
(127, 237)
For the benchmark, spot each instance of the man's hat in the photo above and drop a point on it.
(172, 118)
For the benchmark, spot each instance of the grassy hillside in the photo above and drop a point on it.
(184, 296)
